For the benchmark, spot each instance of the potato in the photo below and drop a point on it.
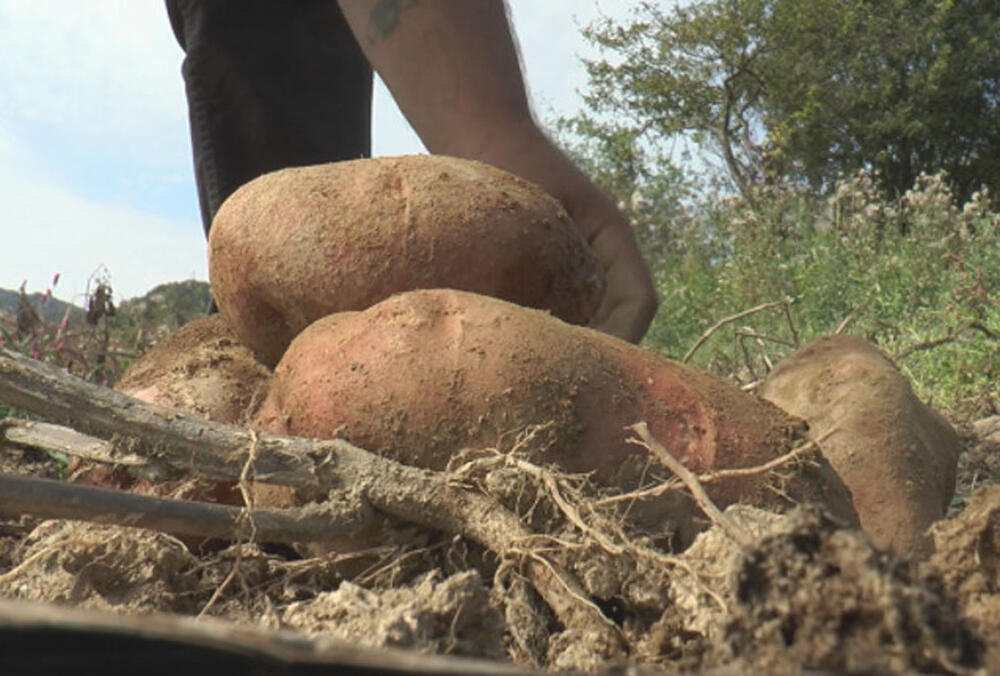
(425, 374)
(296, 245)
(201, 369)
(896, 455)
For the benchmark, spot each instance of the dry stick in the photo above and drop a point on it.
(950, 338)
(747, 332)
(218, 452)
(647, 441)
(60, 439)
(791, 324)
(50, 499)
(728, 320)
(851, 316)
(742, 472)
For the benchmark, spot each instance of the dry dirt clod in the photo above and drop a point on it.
(967, 560)
(812, 596)
(450, 616)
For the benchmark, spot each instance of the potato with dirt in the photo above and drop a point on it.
(425, 374)
(203, 370)
(295, 245)
(897, 455)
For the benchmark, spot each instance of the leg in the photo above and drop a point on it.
(270, 84)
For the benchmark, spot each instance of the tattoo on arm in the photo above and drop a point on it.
(385, 17)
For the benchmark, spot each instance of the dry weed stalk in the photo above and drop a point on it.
(690, 480)
(738, 316)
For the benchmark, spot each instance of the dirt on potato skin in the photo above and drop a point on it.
(201, 369)
(296, 245)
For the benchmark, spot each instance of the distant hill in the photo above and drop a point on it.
(168, 305)
(172, 304)
(50, 310)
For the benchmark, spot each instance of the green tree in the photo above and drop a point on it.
(808, 91)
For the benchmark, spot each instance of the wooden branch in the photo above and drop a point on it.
(61, 439)
(938, 342)
(220, 452)
(728, 320)
(50, 499)
(690, 480)
(851, 316)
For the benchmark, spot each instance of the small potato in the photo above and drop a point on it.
(424, 374)
(201, 369)
(896, 455)
(296, 245)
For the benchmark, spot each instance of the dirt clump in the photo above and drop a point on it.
(433, 615)
(897, 456)
(967, 559)
(810, 595)
(105, 567)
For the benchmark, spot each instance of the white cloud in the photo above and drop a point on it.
(103, 74)
(47, 229)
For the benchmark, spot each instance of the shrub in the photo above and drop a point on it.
(919, 276)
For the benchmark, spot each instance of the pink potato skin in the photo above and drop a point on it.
(424, 374)
(295, 245)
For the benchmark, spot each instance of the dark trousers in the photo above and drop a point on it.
(270, 84)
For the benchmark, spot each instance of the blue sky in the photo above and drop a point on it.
(95, 166)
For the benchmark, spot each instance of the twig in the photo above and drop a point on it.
(647, 441)
(742, 472)
(728, 320)
(851, 316)
(950, 338)
(50, 499)
(791, 324)
(60, 439)
(747, 332)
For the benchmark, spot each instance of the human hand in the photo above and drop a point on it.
(630, 301)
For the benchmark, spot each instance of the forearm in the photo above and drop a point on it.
(451, 65)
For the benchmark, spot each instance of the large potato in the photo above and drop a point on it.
(897, 455)
(296, 245)
(427, 373)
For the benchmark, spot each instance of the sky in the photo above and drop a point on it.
(95, 158)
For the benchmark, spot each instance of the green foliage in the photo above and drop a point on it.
(807, 91)
(903, 273)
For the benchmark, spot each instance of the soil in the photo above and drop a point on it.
(768, 593)
(804, 594)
